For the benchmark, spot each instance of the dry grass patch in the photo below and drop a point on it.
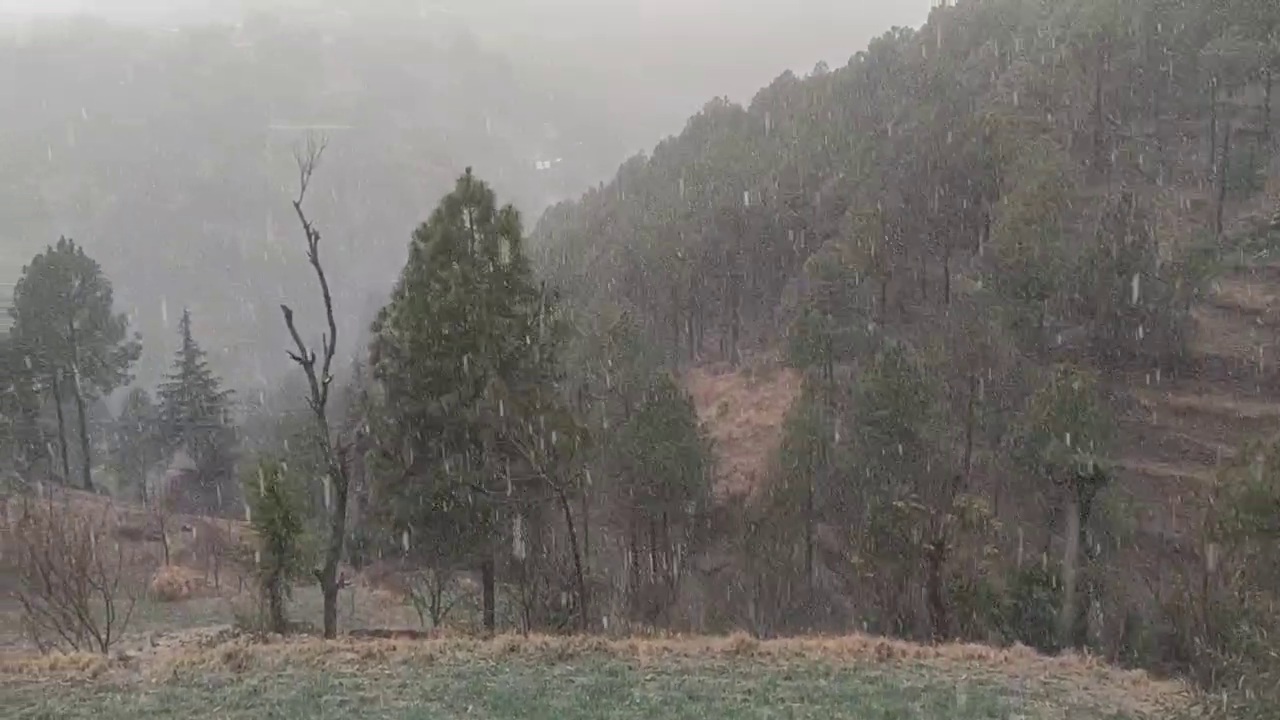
(574, 677)
(743, 412)
(1131, 691)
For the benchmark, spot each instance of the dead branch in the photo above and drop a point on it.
(319, 383)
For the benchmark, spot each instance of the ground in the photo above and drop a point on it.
(218, 675)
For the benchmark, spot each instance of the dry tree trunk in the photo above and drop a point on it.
(56, 387)
(319, 381)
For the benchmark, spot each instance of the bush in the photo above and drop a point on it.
(276, 516)
(75, 585)
(173, 583)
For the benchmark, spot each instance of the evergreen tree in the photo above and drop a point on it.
(277, 520)
(70, 336)
(136, 444)
(466, 353)
(21, 435)
(194, 415)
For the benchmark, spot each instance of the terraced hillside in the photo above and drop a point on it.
(1179, 429)
(976, 242)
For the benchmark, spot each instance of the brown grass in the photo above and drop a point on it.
(743, 414)
(1169, 471)
(174, 583)
(1252, 296)
(1211, 404)
(1230, 333)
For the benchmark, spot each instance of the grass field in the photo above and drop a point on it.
(563, 679)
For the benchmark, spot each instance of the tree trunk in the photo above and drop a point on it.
(675, 324)
(935, 556)
(1099, 133)
(653, 549)
(163, 522)
(808, 534)
(735, 323)
(970, 422)
(634, 545)
(56, 386)
(1070, 556)
(586, 528)
(488, 591)
(332, 555)
(1224, 166)
(924, 276)
(1266, 112)
(86, 460)
(946, 274)
(578, 570)
(275, 603)
(1213, 125)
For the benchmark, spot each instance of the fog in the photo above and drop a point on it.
(159, 133)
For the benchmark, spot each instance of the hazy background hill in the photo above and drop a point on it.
(160, 134)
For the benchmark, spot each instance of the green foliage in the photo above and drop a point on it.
(64, 318)
(1031, 607)
(69, 334)
(1246, 171)
(1136, 305)
(22, 443)
(467, 354)
(663, 457)
(193, 404)
(277, 520)
(194, 416)
(1031, 260)
(136, 444)
(1067, 425)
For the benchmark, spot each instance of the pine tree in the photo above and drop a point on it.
(466, 352)
(194, 411)
(22, 442)
(135, 445)
(72, 339)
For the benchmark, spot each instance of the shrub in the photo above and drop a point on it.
(75, 586)
(276, 516)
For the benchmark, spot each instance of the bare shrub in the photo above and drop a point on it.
(433, 593)
(210, 549)
(75, 585)
(174, 583)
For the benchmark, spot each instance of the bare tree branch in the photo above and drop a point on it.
(319, 383)
(70, 588)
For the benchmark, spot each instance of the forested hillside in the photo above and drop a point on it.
(969, 339)
(1021, 255)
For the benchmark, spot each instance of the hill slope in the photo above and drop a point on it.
(933, 234)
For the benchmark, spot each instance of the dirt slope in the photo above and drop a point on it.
(743, 410)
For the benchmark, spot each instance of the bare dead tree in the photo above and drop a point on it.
(75, 589)
(319, 380)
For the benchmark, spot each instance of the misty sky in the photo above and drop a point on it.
(626, 71)
(830, 30)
